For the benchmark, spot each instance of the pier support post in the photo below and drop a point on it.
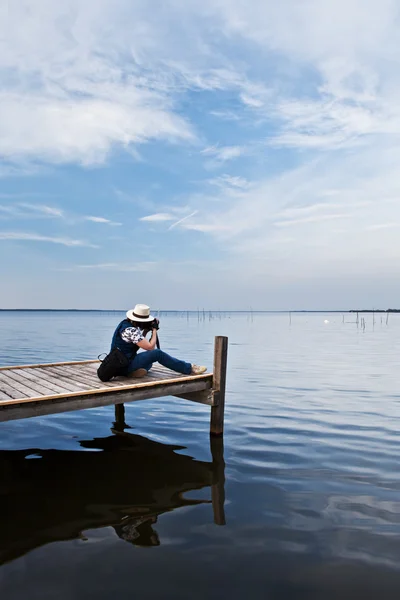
(119, 424)
(219, 382)
(218, 481)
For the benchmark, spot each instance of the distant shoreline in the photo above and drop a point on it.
(378, 310)
(117, 310)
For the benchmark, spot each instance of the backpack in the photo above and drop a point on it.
(112, 365)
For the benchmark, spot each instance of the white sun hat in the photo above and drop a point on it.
(141, 312)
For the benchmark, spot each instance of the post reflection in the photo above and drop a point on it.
(125, 481)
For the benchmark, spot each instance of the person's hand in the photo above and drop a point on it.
(156, 324)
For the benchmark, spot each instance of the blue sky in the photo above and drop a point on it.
(217, 154)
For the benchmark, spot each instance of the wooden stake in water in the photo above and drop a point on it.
(119, 423)
(218, 480)
(219, 384)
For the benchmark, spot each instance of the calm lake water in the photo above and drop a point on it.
(311, 477)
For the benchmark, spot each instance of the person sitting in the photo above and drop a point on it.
(130, 336)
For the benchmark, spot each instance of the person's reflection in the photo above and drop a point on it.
(139, 531)
(125, 482)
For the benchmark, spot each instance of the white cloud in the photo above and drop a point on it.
(122, 267)
(344, 53)
(250, 101)
(224, 153)
(158, 217)
(79, 79)
(101, 220)
(225, 115)
(230, 181)
(330, 204)
(23, 210)
(382, 226)
(108, 73)
(72, 83)
(313, 219)
(36, 237)
(80, 130)
(114, 266)
(50, 211)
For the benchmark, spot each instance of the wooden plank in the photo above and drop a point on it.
(92, 381)
(44, 384)
(95, 381)
(81, 382)
(204, 397)
(219, 384)
(157, 368)
(50, 380)
(37, 386)
(90, 368)
(156, 372)
(89, 380)
(63, 381)
(204, 383)
(74, 362)
(118, 381)
(29, 378)
(4, 396)
(10, 391)
(79, 371)
(152, 373)
(161, 374)
(17, 386)
(28, 407)
(86, 379)
(83, 369)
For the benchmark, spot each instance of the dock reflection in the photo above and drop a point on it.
(125, 482)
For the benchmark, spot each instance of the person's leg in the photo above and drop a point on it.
(142, 361)
(172, 363)
(145, 360)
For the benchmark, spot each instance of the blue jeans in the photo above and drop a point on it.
(145, 360)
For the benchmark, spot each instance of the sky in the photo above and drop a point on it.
(217, 154)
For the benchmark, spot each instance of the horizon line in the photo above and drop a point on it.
(200, 311)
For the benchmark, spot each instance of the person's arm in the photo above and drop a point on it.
(149, 345)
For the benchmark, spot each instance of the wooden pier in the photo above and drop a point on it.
(38, 390)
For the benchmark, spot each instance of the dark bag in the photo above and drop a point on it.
(112, 365)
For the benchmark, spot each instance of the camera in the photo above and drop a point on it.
(155, 324)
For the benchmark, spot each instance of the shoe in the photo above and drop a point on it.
(138, 373)
(196, 370)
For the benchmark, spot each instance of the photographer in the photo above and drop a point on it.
(130, 336)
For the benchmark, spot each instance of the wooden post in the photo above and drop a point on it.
(218, 481)
(119, 424)
(219, 382)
